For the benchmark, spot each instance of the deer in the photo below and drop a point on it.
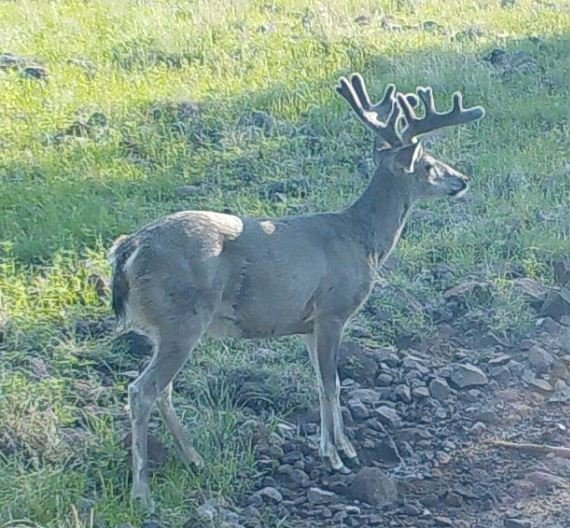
(197, 273)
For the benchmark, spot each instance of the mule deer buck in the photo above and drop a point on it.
(199, 272)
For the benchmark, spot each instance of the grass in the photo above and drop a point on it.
(65, 198)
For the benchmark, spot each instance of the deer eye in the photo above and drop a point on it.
(428, 167)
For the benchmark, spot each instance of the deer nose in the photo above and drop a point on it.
(460, 186)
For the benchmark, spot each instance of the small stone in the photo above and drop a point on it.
(358, 410)
(270, 495)
(537, 383)
(387, 451)
(487, 416)
(387, 416)
(540, 360)
(35, 72)
(556, 304)
(532, 291)
(544, 481)
(320, 496)
(411, 510)
(300, 478)
(403, 393)
(420, 393)
(367, 396)
(374, 487)
(478, 429)
(439, 389)
(465, 376)
(501, 374)
(499, 360)
(443, 521)
(384, 380)
(517, 523)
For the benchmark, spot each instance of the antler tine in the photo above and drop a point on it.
(383, 107)
(433, 120)
(355, 93)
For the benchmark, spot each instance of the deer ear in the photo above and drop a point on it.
(407, 156)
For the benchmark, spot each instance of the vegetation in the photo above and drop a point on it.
(147, 109)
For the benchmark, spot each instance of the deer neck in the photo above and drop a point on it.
(379, 215)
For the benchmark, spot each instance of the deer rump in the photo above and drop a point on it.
(255, 278)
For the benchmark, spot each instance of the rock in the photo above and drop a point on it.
(411, 510)
(478, 429)
(9, 61)
(544, 481)
(320, 496)
(374, 487)
(465, 376)
(403, 393)
(540, 360)
(465, 289)
(387, 451)
(561, 393)
(500, 360)
(532, 291)
(536, 383)
(562, 271)
(501, 374)
(367, 396)
(420, 393)
(358, 410)
(384, 380)
(299, 478)
(270, 495)
(556, 304)
(35, 72)
(358, 363)
(487, 416)
(439, 389)
(517, 523)
(387, 416)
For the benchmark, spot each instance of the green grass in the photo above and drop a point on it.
(64, 199)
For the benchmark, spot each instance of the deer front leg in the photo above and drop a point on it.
(323, 348)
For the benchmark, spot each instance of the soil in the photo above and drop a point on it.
(424, 421)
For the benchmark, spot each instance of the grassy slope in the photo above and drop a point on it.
(62, 204)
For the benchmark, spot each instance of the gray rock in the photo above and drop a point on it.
(270, 495)
(439, 389)
(368, 396)
(358, 409)
(420, 393)
(478, 429)
(532, 291)
(556, 304)
(387, 416)
(300, 478)
(320, 496)
(384, 380)
(374, 487)
(403, 393)
(540, 360)
(501, 374)
(465, 376)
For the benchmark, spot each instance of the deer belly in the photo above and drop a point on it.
(256, 322)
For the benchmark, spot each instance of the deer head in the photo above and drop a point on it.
(398, 128)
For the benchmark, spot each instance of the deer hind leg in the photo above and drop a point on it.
(172, 350)
(189, 455)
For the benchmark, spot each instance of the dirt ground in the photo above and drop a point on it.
(425, 422)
